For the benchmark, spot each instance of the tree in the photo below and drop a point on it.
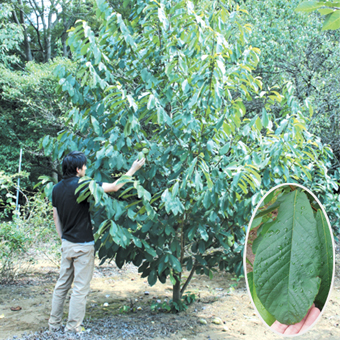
(294, 49)
(45, 25)
(10, 37)
(170, 83)
(29, 110)
(331, 10)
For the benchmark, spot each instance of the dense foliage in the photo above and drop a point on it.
(330, 9)
(32, 227)
(295, 49)
(29, 109)
(10, 37)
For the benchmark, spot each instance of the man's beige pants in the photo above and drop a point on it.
(77, 264)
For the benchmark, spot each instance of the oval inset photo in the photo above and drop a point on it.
(289, 259)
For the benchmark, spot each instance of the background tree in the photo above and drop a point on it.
(171, 83)
(295, 49)
(45, 24)
(331, 11)
(29, 109)
(11, 36)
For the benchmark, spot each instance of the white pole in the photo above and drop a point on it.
(17, 200)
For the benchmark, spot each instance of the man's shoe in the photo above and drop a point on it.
(78, 331)
(82, 330)
(55, 328)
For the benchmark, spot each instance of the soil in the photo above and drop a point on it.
(216, 298)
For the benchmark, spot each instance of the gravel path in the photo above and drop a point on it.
(121, 327)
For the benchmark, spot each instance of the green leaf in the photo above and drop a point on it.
(326, 254)
(175, 264)
(272, 207)
(285, 271)
(124, 179)
(127, 129)
(224, 149)
(206, 200)
(255, 223)
(265, 119)
(102, 227)
(191, 168)
(161, 267)
(172, 279)
(325, 11)
(203, 233)
(142, 193)
(258, 123)
(162, 17)
(332, 21)
(169, 229)
(151, 102)
(137, 242)
(152, 278)
(309, 6)
(45, 141)
(192, 232)
(260, 234)
(95, 125)
(148, 249)
(113, 229)
(198, 181)
(83, 182)
(266, 316)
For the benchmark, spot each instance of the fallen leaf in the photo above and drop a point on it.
(203, 321)
(217, 321)
(15, 309)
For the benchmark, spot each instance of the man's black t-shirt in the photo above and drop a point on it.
(75, 217)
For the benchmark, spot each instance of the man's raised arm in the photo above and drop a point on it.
(109, 187)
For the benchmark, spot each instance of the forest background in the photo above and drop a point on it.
(298, 66)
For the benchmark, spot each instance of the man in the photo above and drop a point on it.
(73, 223)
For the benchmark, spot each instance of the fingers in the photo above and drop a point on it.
(295, 329)
(311, 317)
(279, 327)
(138, 163)
(299, 327)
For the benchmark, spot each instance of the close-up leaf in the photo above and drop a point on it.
(287, 262)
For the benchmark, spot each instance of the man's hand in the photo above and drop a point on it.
(137, 164)
(109, 187)
(299, 327)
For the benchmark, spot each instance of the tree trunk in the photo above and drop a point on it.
(49, 35)
(48, 47)
(27, 45)
(66, 25)
(28, 51)
(176, 293)
(55, 171)
(63, 41)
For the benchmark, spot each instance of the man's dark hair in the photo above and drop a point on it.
(71, 162)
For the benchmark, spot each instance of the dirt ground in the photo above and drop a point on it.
(116, 288)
